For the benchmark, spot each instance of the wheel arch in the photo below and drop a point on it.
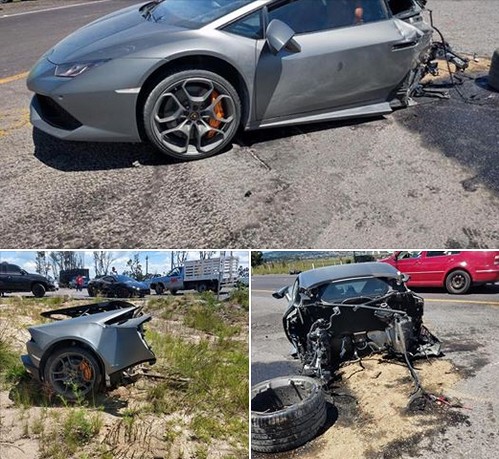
(68, 343)
(207, 62)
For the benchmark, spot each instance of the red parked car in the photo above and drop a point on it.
(455, 270)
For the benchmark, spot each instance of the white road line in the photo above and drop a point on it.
(52, 9)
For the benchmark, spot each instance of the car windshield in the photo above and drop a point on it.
(192, 14)
(336, 292)
(121, 278)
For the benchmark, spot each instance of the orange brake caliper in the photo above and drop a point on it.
(86, 370)
(219, 112)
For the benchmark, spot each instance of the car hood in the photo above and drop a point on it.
(125, 33)
(141, 285)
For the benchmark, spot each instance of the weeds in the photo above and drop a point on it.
(240, 296)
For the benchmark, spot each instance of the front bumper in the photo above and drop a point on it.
(99, 105)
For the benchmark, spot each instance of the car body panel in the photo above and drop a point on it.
(430, 268)
(112, 330)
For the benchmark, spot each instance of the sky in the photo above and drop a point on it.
(159, 260)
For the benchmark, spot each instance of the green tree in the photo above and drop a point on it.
(256, 259)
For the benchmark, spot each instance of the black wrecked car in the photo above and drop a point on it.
(117, 286)
(15, 279)
(339, 312)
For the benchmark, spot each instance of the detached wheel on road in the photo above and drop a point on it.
(73, 372)
(38, 290)
(159, 289)
(286, 412)
(192, 114)
(494, 71)
(458, 282)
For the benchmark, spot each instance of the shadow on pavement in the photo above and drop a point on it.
(250, 138)
(464, 128)
(487, 289)
(262, 371)
(92, 156)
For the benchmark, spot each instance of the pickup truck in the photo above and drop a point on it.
(200, 275)
(15, 279)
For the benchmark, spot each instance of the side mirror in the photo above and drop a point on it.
(280, 35)
(281, 293)
(402, 278)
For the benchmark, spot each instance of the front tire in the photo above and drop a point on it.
(458, 282)
(159, 289)
(192, 114)
(73, 372)
(38, 290)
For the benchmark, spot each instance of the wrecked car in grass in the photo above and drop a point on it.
(334, 315)
(187, 75)
(90, 349)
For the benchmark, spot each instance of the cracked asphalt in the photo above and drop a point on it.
(424, 176)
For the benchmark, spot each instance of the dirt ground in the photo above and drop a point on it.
(128, 428)
(367, 411)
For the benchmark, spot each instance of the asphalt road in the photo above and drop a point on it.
(427, 175)
(467, 325)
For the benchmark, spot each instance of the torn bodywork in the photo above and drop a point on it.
(342, 313)
(419, 33)
(96, 344)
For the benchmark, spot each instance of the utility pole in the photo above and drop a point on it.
(147, 264)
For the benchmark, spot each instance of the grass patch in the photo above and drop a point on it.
(78, 428)
(240, 296)
(205, 377)
(285, 266)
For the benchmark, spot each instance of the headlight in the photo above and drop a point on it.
(74, 69)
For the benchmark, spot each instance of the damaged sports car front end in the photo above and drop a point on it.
(97, 342)
(341, 313)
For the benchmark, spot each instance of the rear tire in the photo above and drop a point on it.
(192, 114)
(458, 282)
(38, 290)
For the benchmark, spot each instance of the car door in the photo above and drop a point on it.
(174, 281)
(336, 63)
(434, 266)
(410, 263)
(18, 279)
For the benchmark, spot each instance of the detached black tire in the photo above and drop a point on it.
(38, 290)
(458, 282)
(286, 412)
(159, 289)
(192, 114)
(494, 71)
(73, 372)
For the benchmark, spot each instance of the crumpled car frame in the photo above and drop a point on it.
(94, 344)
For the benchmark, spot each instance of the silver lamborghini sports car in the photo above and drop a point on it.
(186, 74)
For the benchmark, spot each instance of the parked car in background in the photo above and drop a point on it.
(91, 348)
(15, 279)
(188, 74)
(456, 270)
(117, 286)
